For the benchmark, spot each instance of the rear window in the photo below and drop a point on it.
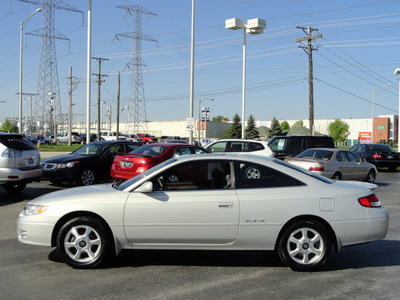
(150, 150)
(16, 143)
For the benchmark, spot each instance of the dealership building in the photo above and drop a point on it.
(383, 128)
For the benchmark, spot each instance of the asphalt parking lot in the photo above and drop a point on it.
(367, 271)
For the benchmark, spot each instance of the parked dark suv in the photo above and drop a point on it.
(19, 162)
(289, 146)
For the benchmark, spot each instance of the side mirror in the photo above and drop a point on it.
(146, 187)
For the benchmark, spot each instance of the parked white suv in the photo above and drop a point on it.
(112, 136)
(238, 145)
(19, 162)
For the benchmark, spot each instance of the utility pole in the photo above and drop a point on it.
(72, 86)
(309, 49)
(99, 82)
(118, 98)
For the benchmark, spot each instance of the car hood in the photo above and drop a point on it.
(65, 158)
(77, 194)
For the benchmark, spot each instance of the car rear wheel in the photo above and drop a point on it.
(83, 243)
(305, 246)
(337, 176)
(86, 177)
(14, 187)
(370, 177)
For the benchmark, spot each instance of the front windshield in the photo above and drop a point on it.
(91, 149)
(304, 171)
(135, 179)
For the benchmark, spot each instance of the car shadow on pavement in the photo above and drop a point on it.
(29, 193)
(382, 253)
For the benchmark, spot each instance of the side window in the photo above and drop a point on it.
(278, 144)
(181, 151)
(199, 151)
(257, 146)
(236, 147)
(114, 149)
(130, 147)
(353, 157)
(341, 156)
(218, 147)
(249, 175)
(197, 175)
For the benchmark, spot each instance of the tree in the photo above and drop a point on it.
(8, 127)
(275, 128)
(235, 131)
(285, 125)
(298, 124)
(251, 131)
(339, 131)
(220, 119)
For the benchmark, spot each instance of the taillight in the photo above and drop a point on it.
(316, 169)
(377, 156)
(370, 201)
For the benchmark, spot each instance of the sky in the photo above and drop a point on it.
(354, 61)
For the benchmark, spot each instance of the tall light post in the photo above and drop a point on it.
(21, 27)
(212, 99)
(89, 68)
(253, 26)
(397, 73)
(373, 104)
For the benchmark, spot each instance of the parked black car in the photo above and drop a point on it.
(290, 146)
(381, 155)
(93, 138)
(87, 164)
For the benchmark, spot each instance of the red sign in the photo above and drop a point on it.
(364, 137)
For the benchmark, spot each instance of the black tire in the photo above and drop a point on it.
(83, 243)
(86, 177)
(305, 246)
(14, 187)
(370, 177)
(337, 176)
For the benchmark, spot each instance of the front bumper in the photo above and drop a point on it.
(34, 233)
(65, 174)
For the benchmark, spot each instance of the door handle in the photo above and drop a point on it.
(225, 205)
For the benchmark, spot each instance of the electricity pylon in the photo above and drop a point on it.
(136, 95)
(47, 102)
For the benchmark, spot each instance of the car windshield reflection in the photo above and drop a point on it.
(91, 149)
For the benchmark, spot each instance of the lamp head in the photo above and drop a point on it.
(38, 10)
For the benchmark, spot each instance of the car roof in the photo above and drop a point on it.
(12, 135)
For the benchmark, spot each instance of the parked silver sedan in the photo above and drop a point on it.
(219, 202)
(336, 164)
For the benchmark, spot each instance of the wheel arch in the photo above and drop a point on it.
(323, 222)
(60, 223)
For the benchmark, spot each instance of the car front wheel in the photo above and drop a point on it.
(305, 246)
(83, 243)
(86, 177)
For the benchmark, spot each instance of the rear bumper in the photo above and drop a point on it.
(15, 175)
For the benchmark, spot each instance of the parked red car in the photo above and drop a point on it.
(143, 158)
(147, 138)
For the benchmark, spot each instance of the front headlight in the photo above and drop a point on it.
(70, 164)
(32, 209)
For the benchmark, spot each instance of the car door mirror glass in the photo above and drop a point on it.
(146, 187)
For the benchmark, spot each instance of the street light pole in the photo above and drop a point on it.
(253, 26)
(22, 25)
(397, 73)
